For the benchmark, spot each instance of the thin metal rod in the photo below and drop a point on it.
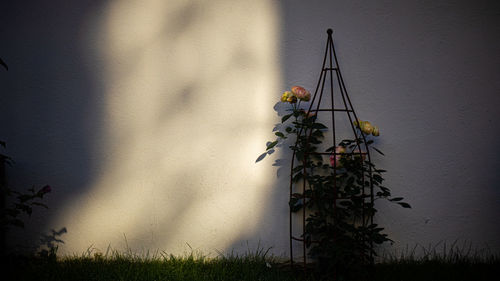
(336, 153)
(367, 150)
(293, 159)
(302, 240)
(330, 39)
(335, 109)
(304, 250)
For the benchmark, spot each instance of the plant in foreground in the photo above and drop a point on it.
(22, 203)
(339, 231)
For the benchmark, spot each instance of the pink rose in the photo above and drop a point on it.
(310, 114)
(335, 158)
(301, 93)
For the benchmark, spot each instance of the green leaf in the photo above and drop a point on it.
(297, 177)
(318, 126)
(300, 155)
(4, 64)
(271, 144)
(314, 140)
(295, 204)
(40, 204)
(377, 178)
(404, 205)
(288, 129)
(385, 189)
(280, 134)
(284, 118)
(318, 133)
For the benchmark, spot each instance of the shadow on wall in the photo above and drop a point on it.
(49, 104)
(177, 114)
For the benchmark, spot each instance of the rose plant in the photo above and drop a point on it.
(339, 231)
(22, 202)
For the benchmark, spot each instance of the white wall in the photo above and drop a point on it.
(427, 73)
(146, 116)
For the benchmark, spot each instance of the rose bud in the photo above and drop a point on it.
(292, 99)
(285, 95)
(376, 131)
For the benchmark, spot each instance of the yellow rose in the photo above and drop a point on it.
(376, 131)
(366, 127)
(356, 123)
(285, 95)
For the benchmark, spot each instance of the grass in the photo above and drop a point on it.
(128, 266)
(188, 268)
(453, 263)
(450, 262)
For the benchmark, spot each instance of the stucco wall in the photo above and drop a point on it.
(146, 116)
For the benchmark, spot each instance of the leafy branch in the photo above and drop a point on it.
(340, 193)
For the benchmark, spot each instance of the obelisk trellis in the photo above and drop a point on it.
(330, 70)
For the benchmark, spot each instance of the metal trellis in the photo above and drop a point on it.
(330, 71)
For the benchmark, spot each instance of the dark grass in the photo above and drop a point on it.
(160, 267)
(437, 270)
(440, 262)
(451, 264)
(127, 269)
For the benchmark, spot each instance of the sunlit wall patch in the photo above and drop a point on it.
(186, 88)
